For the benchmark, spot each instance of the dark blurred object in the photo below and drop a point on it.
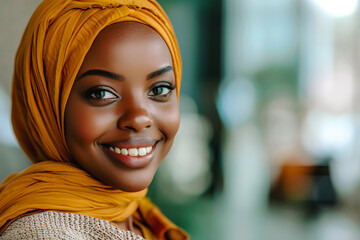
(310, 186)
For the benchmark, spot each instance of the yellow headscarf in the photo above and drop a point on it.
(55, 42)
(52, 49)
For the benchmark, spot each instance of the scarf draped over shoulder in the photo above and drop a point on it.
(52, 49)
(63, 187)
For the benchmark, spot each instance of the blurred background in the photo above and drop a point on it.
(268, 146)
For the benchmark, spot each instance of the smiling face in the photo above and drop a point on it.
(122, 113)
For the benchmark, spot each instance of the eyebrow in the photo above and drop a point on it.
(102, 73)
(159, 72)
(116, 76)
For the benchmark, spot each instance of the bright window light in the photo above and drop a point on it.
(337, 8)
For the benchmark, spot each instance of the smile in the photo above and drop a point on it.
(133, 152)
(132, 156)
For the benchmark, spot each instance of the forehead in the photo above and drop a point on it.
(123, 30)
(126, 43)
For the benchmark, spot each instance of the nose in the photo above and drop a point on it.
(136, 117)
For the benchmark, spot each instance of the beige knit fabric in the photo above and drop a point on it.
(57, 225)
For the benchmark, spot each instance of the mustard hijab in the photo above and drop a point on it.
(52, 49)
(54, 44)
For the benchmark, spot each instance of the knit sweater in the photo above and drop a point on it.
(59, 225)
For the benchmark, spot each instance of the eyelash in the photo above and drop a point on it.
(162, 85)
(92, 94)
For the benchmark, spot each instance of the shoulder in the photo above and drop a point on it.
(59, 225)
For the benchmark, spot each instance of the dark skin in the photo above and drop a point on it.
(124, 98)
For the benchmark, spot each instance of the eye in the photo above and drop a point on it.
(100, 94)
(161, 90)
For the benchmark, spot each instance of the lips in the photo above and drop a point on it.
(133, 153)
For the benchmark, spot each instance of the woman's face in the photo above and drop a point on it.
(122, 113)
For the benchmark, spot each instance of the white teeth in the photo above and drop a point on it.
(124, 151)
(142, 151)
(117, 150)
(134, 152)
(148, 149)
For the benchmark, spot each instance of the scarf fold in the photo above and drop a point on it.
(64, 187)
(160, 225)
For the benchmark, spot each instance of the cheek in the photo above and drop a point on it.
(83, 123)
(169, 121)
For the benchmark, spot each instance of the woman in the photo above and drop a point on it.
(95, 107)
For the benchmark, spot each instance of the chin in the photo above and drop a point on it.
(133, 184)
(132, 187)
